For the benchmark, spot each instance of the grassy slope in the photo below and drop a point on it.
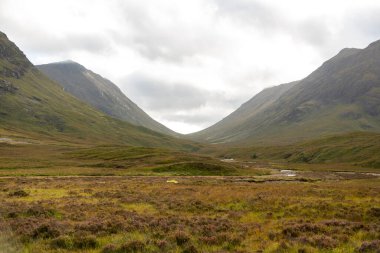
(111, 160)
(224, 130)
(341, 96)
(349, 152)
(321, 124)
(39, 109)
(359, 150)
(101, 93)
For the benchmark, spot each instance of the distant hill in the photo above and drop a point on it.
(100, 93)
(33, 106)
(341, 96)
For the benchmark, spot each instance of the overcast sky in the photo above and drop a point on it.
(189, 63)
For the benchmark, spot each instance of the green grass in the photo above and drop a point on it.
(196, 169)
(118, 160)
(353, 151)
(41, 111)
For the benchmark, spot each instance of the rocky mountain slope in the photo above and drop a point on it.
(343, 95)
(35, 107)
(100, 93)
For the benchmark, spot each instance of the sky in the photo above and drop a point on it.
(191, 63)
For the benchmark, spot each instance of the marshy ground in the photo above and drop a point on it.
(114, 199)
(196, 214)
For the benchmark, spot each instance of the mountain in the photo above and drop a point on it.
(34, 107)
(342, 95)
(100, 93)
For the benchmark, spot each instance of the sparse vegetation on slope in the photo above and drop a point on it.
(58, 160)
(39, 109)
(99, 92)
(341, 96)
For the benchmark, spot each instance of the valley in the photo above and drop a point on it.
(109, 199)
(84, 169)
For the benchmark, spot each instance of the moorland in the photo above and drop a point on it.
(77, 176)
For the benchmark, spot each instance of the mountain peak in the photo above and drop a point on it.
(69, 61)
(3, 35)
(67, 64)
(340, 96)
(375, 44)
(10, 53)
(345, 52)
(100, 93)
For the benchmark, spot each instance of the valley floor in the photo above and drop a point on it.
(189, 214)
(114, 199)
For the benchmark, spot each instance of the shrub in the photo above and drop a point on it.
(375, 212)
(132, 247)
(62, 242)
(12, 215)
(295, 230)
(129, 247)
(235, 241)
(190, 249)
(209, 240)
(232, 242)
(272, 236)
(40, 211)
(46, 231)
(283, 246)
(181, 238)
(85, 242)
(371, 246)
(18, 193)
(161, 244)
(110, 248)
(320, 241)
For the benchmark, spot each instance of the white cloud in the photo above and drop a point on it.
(209, 56)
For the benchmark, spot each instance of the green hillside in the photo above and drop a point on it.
(341, 96)
(34, 107)
(101, 93)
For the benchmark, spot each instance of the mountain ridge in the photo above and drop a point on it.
(100, 93)
(340, 96)
(35, 107)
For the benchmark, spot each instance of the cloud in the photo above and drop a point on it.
(170, 32)
(251, 13)
(90, 43)
(178, 102)
(365, 23)
(314, 31)
(34, 37)
(193, 119)
(190, 63)
(163, 96)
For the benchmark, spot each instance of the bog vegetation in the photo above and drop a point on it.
(73, 179)
(206, 214)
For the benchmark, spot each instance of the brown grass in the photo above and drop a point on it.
(199, 214)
